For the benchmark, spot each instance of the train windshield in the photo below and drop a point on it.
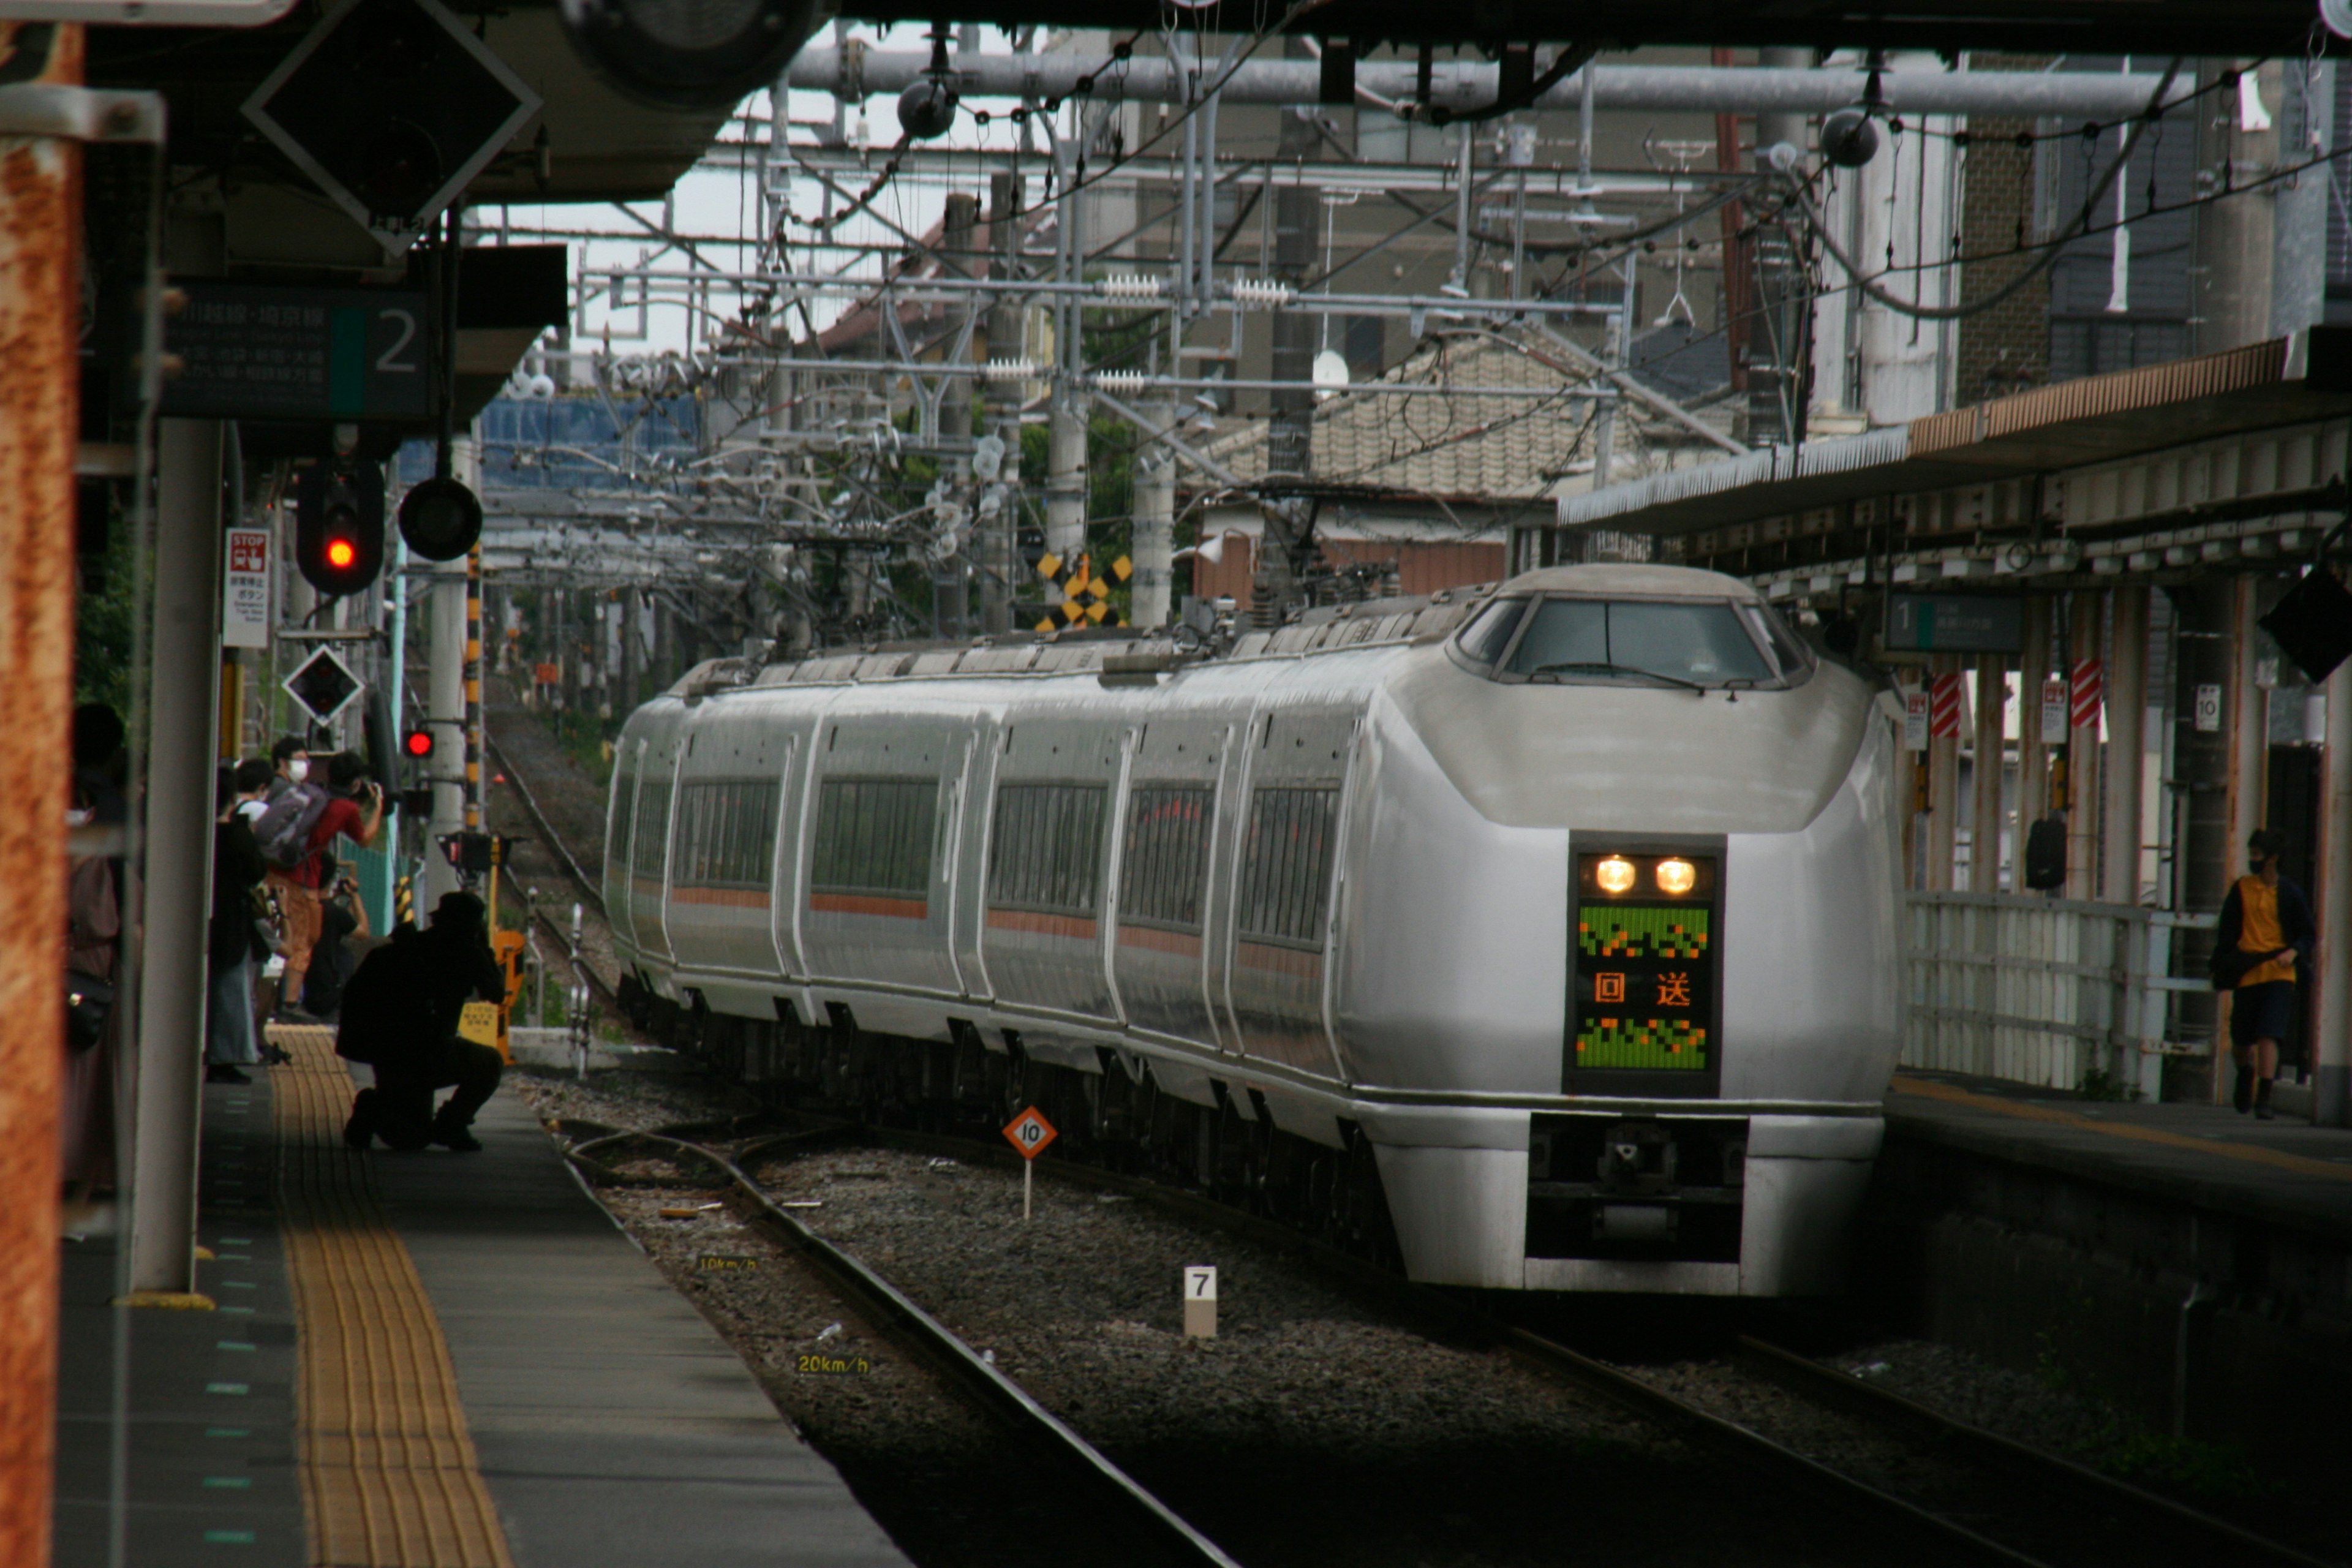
(1677, 642)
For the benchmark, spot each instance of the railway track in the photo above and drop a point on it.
(1973, 1497)
(1165, 1536)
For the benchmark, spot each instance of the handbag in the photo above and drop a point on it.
(88, 1001)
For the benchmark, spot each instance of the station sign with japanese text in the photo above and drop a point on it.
(265, 353)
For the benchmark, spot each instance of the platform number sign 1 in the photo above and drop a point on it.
(1029, 1132)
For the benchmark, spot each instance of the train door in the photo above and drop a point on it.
(784, 872)
(1285, 873)
(1158, 955)
(1049, 837)
(975, 785)
(650, 844)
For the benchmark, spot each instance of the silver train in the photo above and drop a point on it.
(1545, 939)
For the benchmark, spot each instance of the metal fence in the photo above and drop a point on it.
(2044, 991)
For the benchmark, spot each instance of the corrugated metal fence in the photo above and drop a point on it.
(2043, 991)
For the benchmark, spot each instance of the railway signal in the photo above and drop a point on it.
(418, 743)
(339, 527)
(1029, 1132)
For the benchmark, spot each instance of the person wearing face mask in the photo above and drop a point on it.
(2265, 930)
(291, 759)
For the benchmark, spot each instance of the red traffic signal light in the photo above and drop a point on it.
(339, 527)
(418, 743)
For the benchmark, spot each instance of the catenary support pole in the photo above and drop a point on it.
(1155, 522)
(446, 712)
(177, 901)
(998, 513)
(2331, 1098)
(40, 213)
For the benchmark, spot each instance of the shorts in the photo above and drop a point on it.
(300, 906)
(2264, 1012)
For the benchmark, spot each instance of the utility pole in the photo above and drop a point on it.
(1066, 450)
(993, 529)
(951, 578)
(40, 316)
(1290, 433)
(445, 710)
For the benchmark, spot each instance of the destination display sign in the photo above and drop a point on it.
(1645, 972)
(255, 352)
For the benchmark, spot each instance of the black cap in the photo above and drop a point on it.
(459, 909)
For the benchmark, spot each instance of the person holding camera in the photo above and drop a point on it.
(350, 804)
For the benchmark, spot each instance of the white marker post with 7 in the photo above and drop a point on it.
(1200, 1303)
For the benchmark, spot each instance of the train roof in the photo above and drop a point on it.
(1083, 650)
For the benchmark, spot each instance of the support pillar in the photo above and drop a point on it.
(1155, 519)
(2083, 769)
(2331, 1097)
(2246, 719)
(447, 708)
(1991, 775)
(40, 223)
(2206, 615)
(2032, 756)
(177, 885)
(2121, 773)
(1943, 794)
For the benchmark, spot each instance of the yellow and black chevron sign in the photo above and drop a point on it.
(1085, 595)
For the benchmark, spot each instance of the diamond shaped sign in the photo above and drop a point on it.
(323, 686)
(392, 107)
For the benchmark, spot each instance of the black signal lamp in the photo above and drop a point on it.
(339, 527)
(441, 519)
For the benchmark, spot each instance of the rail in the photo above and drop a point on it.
(2052, 992)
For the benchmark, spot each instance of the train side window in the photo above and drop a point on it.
(623, 815)
(1485, 639)
(1046, 850)
(874, 836)
(1286, 865)
(1167, 854)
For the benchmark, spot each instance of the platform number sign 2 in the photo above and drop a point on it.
(1029, 1133)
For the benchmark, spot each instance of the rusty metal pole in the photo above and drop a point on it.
(40, 226)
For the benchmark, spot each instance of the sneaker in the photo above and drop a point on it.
(458, 1139)
(358, 1132)
(2243, 1099)
(221, 1072)
(290, 1013)
(2263, 1111)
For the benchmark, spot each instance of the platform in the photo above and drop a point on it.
(420, 1359)
(2190, 1265)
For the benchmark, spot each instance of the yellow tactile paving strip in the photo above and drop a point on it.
(2277, 1159)
(389, 1476)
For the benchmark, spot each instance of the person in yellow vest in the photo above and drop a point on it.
(2266, 930)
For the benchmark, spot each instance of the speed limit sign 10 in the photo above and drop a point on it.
(1030, 1133)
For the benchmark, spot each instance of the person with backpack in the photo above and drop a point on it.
(401, 1013)
(302, 821)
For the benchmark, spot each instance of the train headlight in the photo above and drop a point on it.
(1615, 875)
(1677, 878)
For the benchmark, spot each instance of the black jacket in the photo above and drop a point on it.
(2296, 925)
(406, 998)
(237, 869)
